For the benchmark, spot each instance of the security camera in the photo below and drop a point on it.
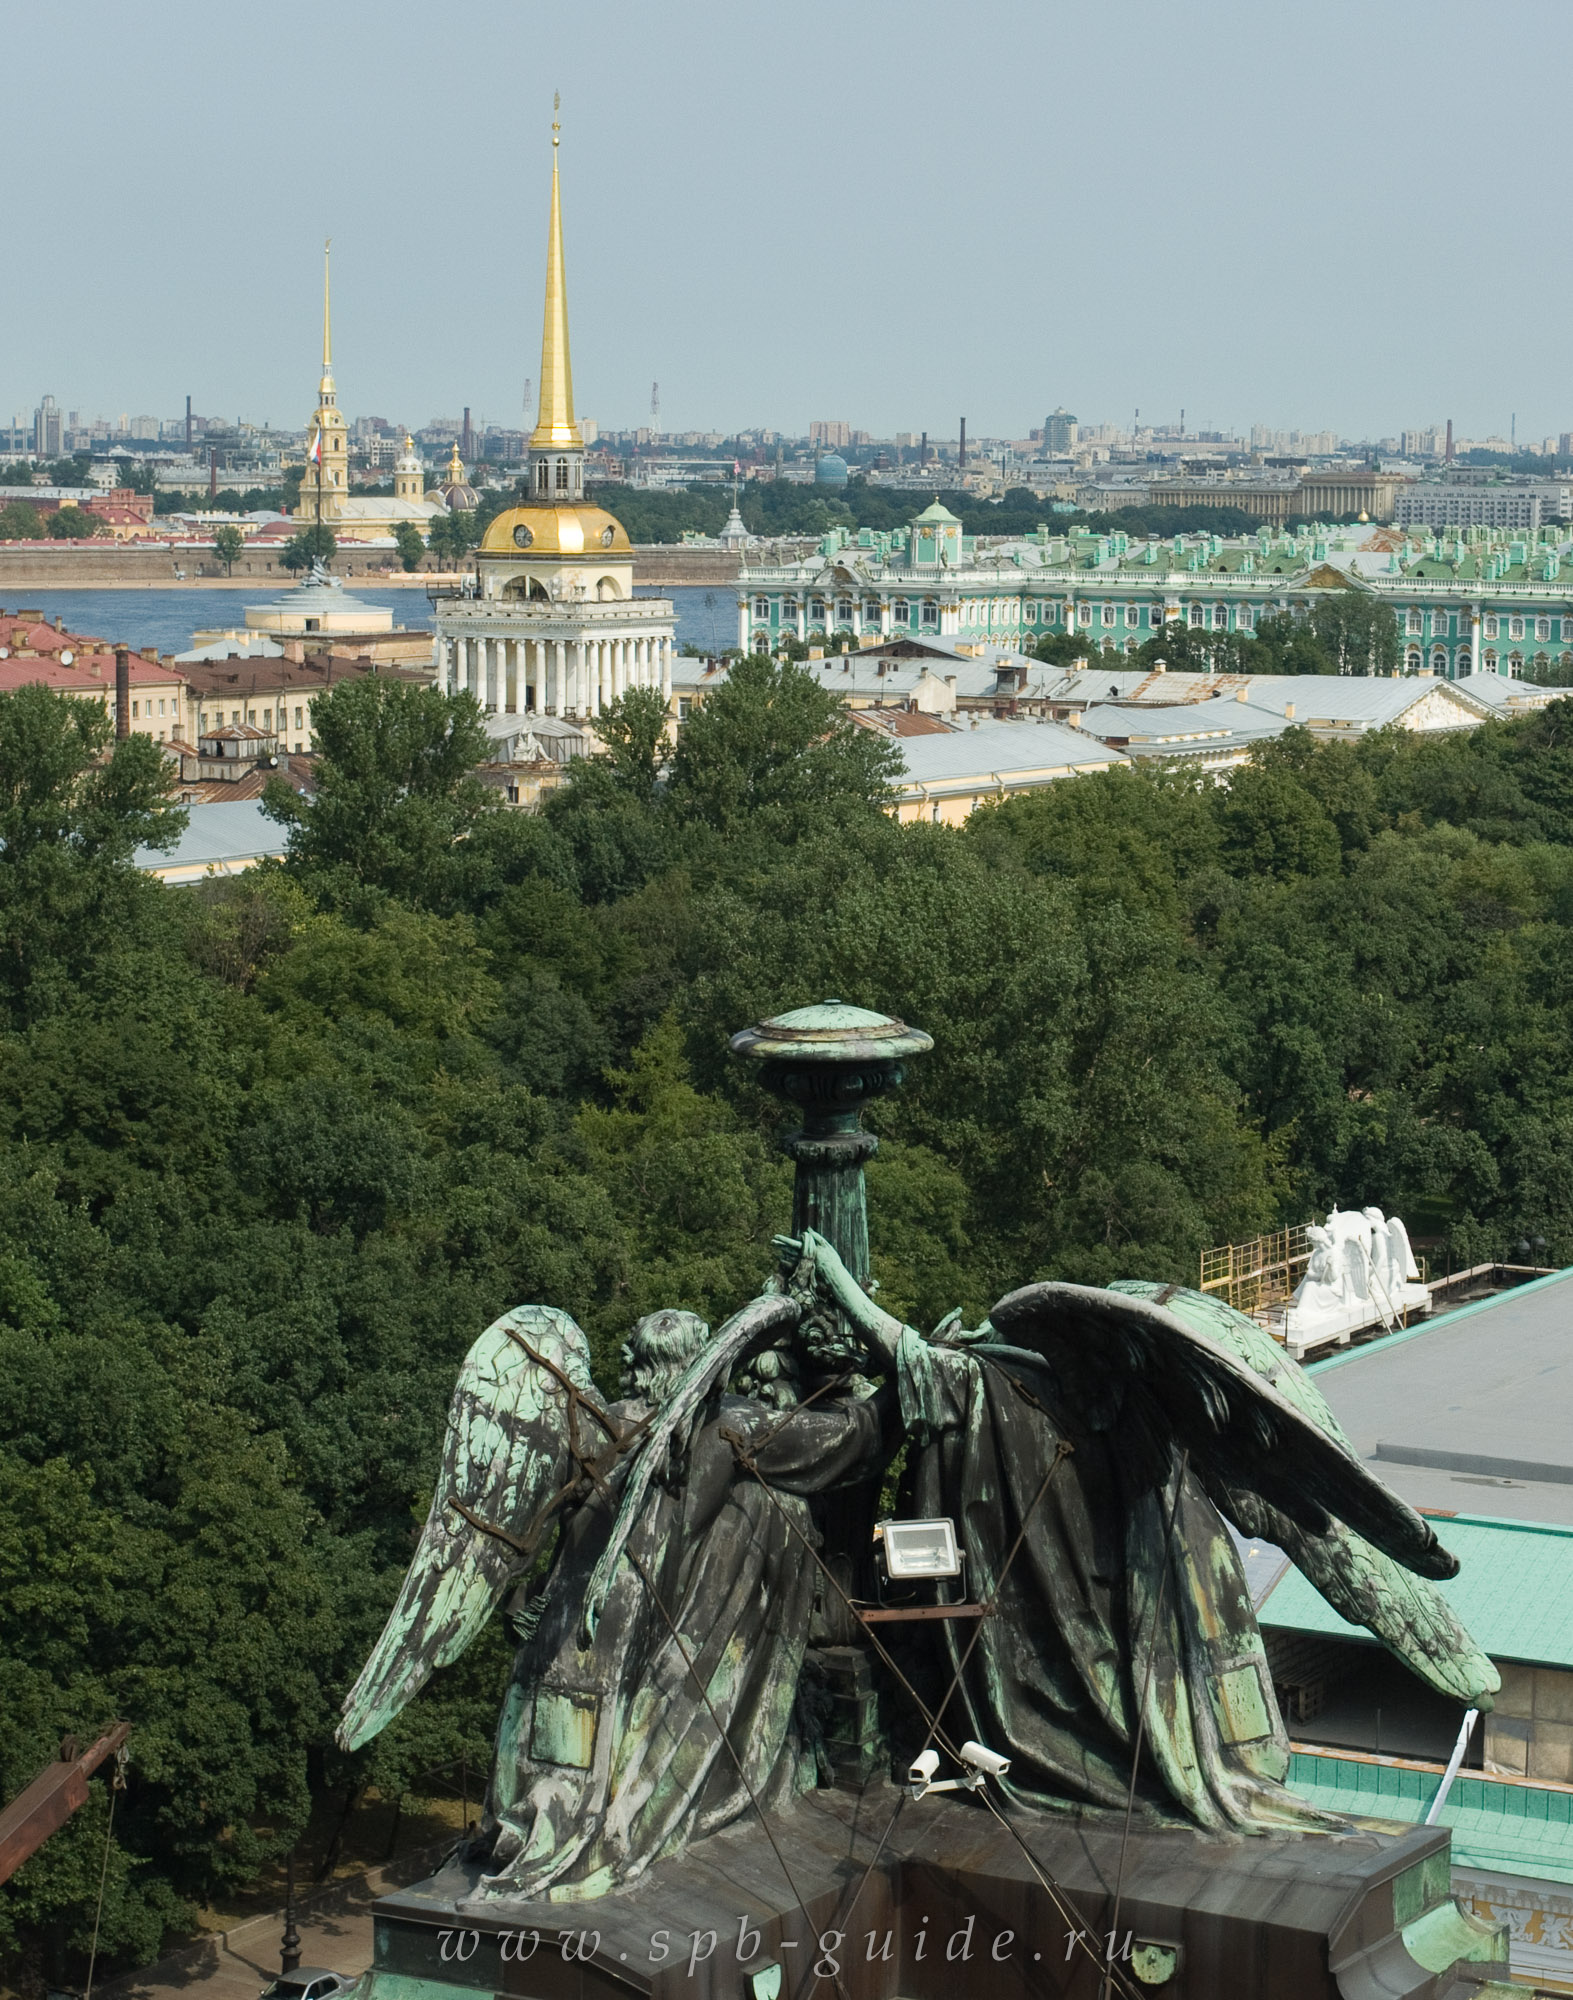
(989, 1762)
(920, 1774)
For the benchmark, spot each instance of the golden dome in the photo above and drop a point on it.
(555, 531)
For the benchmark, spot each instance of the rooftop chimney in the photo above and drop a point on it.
(122, 691)
(1288, 711)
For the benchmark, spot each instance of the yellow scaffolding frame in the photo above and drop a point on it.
(1261, 1273)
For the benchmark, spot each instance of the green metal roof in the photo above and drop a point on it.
(936, 511)
(1513, 1592)
(1514, 1829)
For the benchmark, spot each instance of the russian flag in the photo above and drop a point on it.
(314, 455)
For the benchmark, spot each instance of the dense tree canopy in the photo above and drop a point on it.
(274, 1150)
(1349, 633)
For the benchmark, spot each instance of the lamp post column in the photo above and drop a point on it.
(828, 1062)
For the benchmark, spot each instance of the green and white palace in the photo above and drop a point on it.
(1469, 600)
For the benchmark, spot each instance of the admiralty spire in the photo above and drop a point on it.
(551, 625)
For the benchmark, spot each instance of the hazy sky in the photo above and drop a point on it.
(1343, 215)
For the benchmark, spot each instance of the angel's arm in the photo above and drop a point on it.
(837, 1285)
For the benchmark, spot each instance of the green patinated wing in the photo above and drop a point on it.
(1128, 1368)
(1406, 1612)
(505, 1456)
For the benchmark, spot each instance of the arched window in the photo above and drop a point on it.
(562, 475)
(844, 610)
(761, 607)
(1108, 614)
(1515, 628)
(1133, 614)
(930, 612)
(1515, 665)
(1542, 628)
(1197, 614)
(1412, 660)
(1488, 660)
(1220, 617)
(901, 611)
(543, 478)
(1439, 662)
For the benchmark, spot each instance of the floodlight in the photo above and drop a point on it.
(919, 1549)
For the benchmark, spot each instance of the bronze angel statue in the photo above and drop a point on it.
(1090, 1446)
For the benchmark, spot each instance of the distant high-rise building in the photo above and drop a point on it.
(46, 429)
(834, 435)
(1059, 433)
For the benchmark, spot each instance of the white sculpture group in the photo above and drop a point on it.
(1361, 1273)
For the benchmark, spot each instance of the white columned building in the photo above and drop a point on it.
(551, 625)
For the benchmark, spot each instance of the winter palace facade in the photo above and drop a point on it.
(1467, 600)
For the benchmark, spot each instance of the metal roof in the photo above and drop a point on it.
(1513, 1592)
(999, 747)
(1361, 698)
(1500, 1824)
(1191, 729)
(1470, 1409)
(220, 839)
(1505, 696)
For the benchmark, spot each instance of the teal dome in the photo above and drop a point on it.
(831, 470)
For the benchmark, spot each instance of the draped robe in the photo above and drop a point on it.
(608, 1755)
(1058, 1673)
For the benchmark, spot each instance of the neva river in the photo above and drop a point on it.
(706, 616)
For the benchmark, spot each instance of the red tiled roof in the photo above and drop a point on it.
(94, 674)
(902, 722)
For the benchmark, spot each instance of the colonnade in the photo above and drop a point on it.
(576, 677)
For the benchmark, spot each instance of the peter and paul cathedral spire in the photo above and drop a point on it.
(325, 484)
(556, 444)
(327, 325)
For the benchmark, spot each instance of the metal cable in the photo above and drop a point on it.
(117, 1784)
(1141, 1712)
(1067, 1911)
(726, 1742)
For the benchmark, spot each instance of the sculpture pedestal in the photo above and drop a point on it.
(952, 1908)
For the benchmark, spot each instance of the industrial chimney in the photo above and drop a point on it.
(962, 461)
(122, 691)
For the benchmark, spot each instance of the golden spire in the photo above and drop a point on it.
(327, 325)
(554, 426)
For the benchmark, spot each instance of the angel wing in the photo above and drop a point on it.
(511, 1423)
(757, 1325)
(1408, 1614)
(1121, 1364)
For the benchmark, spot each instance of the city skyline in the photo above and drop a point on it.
(897, 240)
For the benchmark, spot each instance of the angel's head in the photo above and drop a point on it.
(658, 1350)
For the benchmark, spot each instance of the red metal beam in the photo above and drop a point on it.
(50, 1800)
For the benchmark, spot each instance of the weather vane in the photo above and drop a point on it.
(557, 105)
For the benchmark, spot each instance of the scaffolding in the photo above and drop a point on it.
(1253, 1277)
